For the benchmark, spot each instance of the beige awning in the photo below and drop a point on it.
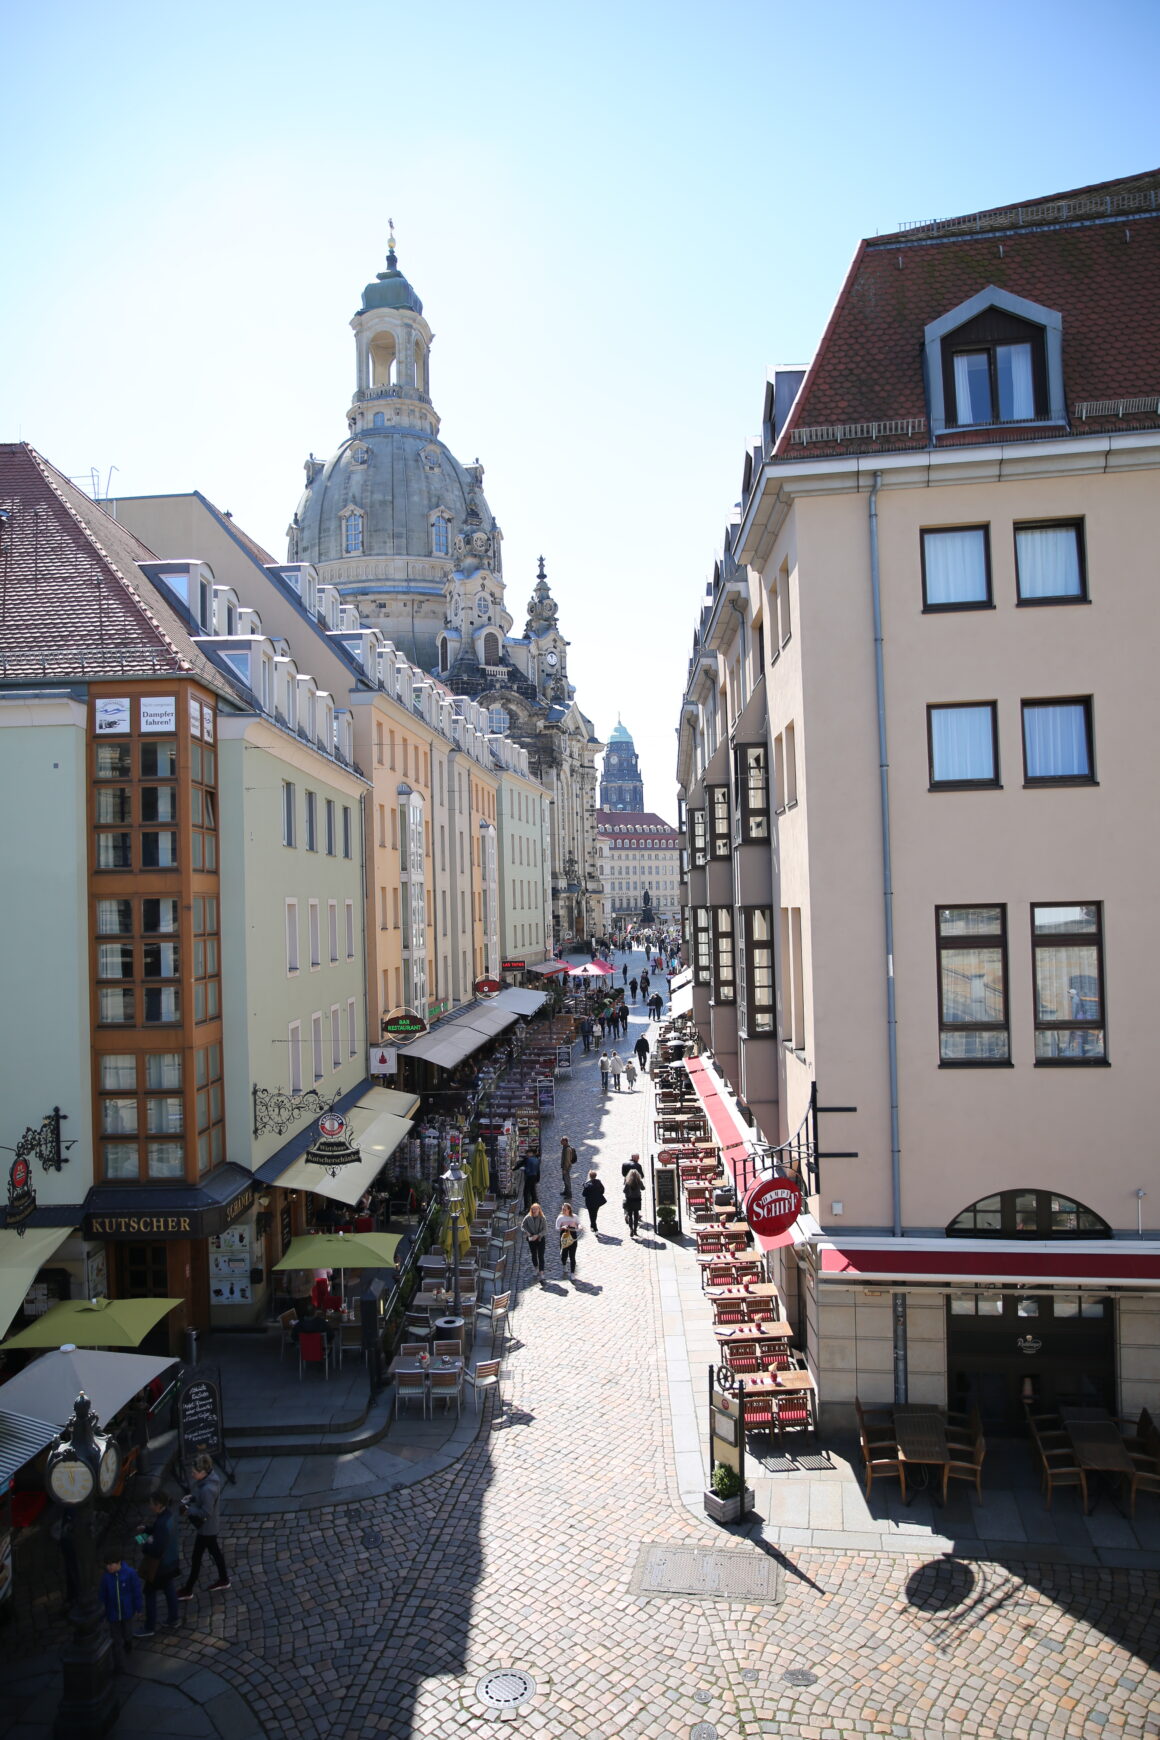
(375, 1129)
(22, 1255)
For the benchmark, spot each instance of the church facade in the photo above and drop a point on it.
(404, 533)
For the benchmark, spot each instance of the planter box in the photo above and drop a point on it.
(727, 1510)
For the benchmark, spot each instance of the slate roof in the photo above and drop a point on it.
(72, 603)
(1092, 254)
(631, 822)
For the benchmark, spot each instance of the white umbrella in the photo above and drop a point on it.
(48, 1388)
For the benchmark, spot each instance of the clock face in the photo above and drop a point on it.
(71, 1480)
(110, 1468)
(551, 658)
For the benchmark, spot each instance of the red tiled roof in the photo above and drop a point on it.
(1100, 272)
(71, 602)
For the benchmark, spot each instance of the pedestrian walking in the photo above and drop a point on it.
(641, 1049)
(615, 1066)
(604, 1071)
(568, 1227)
(531, 1168)
(121, 1597)
(633, 1193)
(201, 1508)
(630, 1073)
(586, 1033)
(594, 1198)
(624, 1020)
(536, 1232)
(624, 973)
(160, 1563)
(644, 982)
(633, 987)
(567, 1161)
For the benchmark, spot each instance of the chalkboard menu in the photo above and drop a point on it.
(199, 1418)
(284, 1228)
(665, 1187)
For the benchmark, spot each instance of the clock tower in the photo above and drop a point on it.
(548, 650)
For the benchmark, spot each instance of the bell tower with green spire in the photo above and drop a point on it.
(621, 787)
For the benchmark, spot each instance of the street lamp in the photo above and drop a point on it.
(82, 1463)
(453, 1199)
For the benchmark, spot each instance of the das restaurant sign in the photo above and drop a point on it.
(772, 1205)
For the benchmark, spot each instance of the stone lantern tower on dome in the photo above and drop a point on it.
(392, 512)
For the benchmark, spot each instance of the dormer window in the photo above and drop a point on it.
(352, 532)
(993, 360)
(440, 535)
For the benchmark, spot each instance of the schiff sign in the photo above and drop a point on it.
(773, 1205)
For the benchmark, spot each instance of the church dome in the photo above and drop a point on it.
(390, 290)
(618, 734)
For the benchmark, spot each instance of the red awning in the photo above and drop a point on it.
(734, 1142)
(1089, 1266)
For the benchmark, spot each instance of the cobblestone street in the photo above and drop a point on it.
(379, 1617)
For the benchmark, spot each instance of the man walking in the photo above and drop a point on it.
(531, 1166)
(624, 973)
(633, 987)
(615, 1066)
(594, 1198)
(641, 1049)
(567, 1161)
(604, 1072)
(201, 1506)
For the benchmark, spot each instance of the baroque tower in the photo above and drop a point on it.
(621, 787)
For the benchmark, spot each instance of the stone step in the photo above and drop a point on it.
(314, 1441)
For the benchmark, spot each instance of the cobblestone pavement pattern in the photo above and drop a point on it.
(378, 1618)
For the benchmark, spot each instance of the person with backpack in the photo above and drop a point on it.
(633, 1194)
(615, 1065)
(594, 1198)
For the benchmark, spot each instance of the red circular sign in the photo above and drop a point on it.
(19, 1174)
(773, 1205)
(487, 987)
(331, 1124)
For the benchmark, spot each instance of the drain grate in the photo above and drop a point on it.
(703, 1731)
(681, 1570)
(506, 1689)
(702, 1697)
(749, 1675)
(799, 1677)
(372, 1538)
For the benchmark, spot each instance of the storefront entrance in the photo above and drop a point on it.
(143, 1273)
(1051, 1348)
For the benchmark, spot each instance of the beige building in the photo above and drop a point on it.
(918, 701)
(640, 854)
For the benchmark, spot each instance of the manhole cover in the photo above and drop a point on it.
(703, 1731)
(702, 1697)
(504, 1690)
(749, 1674)
(799, 1677)
(681, 1570)
(372, 1538)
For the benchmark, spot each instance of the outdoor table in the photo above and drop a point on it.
(1095, 1438)
(778, 1330)
(441, 1302)
(745, 1290)
(410, 1366)
(433, 1265)
(921, 1434)
(735, 1259)
(767, 1382)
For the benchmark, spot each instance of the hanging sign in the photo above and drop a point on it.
(773, 1205)
(404, 1026)
(21, 1196)
(487, 987)
(384, 1060)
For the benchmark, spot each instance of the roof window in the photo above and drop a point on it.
(994, 360)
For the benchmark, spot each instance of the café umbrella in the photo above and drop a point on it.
(342, 1251)
(95, 1323)
(480, 1169)
(48, 1388)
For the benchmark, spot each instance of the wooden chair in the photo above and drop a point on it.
(446, 1384)
(729, 1311)
(882, 1459)
(418, 1325)
(742, 1356)
(1058, 1468)
(1144, 1478)
(313, 1349)
(446, 1349)
(412, 1349)
(484, 1377)
(793, 1412)
(410, 1386)
(965, 1465)
(875, 1424)
(760, 1414)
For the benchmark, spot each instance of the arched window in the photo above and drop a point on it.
(1028, 1214)
(440, 536)
(491, 649)
(352, 533)
(383, 359)
(497, 719)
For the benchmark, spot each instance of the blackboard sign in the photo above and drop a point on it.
(284, 1229)
(665, 1187)
(199, 1419)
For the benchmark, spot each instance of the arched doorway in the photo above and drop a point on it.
(1006, 1343)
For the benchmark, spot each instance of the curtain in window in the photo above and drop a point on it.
(1055, 742)
(972, 387)
(1048, 562)
(956, 566)
(1016, 387)
(962, 744)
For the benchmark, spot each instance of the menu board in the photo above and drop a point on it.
(199, 1419)
(665, 1187)
(229, 1267)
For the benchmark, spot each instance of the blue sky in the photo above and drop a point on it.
(618, 217)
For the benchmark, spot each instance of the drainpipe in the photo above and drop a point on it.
(898, 1313)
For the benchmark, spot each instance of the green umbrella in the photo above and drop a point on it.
(480, 1170)
(367, 1250)
(464, 1233)
(94, 1323)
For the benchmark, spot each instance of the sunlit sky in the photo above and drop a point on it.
(618, 217)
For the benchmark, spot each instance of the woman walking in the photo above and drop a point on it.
(567, 1161)
(630, 1072)
(633, 1192)
(536, 1232)
(568, 1227)
(594, 1198)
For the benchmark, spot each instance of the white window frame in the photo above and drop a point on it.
(294, 1056)
(351, 1028)
(350, 930)
(315, 936)
(292, 959)
(332, 929)
(335, 1036)
(316, 1052)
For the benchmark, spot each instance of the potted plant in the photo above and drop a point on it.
(667, 1223)
(723, 1496)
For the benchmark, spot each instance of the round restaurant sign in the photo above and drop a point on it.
(773, 1205)
(404, 1026)
(487, 987)
(331, 1125)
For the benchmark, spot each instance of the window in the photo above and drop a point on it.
(114, 961)
(118, 1072)
(115, 1006)
(698, 837)
(330, 834)
(994, 385)
(962, 745)
(159, 803)
(166, 1159)
(294, 1052)
(1029, 1214)
(162, 1005)
(791, 796)
(335, 1036)
(311, 821)
(114, 852)
(160, 961)
(114, 804)
(1057, 742)
(159, 759)
(1049, 563)
(972, 985)
(114, 918)
(440, 541)
(956, 569)
(352, 534)
(1067, 947)
(289, 814)
(751, 784)
(122, 1160)
(720, 844)
(724, 989)
(163, 1069)
(291, 936)
(332, 927)
(164, 1116)
(316, 1045)
(119, 1117)
(113, 761)
(350, 930)
(351, 1027)
(346, 831)
(159, 917)
(315, 935)
(702, 957)
(756, 998)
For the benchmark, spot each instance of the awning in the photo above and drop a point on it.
(95, 1323)
(449, 1043)
(48, 1387)
(681, 979)
(681, 1001)
(737, 1140)
(548, 969)
(375, 1129)
(20, 1440)
(21, 1257)
(1080, 1262)
(490, 1018)
(520, 1001)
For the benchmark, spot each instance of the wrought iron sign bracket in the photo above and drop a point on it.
(275, 1109)
(42, 1141)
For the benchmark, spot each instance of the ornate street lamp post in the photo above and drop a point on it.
(453, 1198)
(82, 1463)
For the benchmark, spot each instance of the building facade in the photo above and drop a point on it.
(917, 702)
(640, 855)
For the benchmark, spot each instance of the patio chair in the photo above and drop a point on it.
(875, 1424)
(742, 1356)
(484, 1377)
(965, 1465)
(412, 1349)
(1144, 1478)
(760, 1413)
(418, 1325)
(313, 1349)
(729, 1311)
(447, 1384)
(496, 1314)
(793, 1412)
(1058, 1468)
(451, 1349)
(882, 1459)
(410, 1386)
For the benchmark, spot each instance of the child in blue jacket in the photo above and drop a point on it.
(122, 1597)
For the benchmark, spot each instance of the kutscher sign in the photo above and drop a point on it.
(773, 1205)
